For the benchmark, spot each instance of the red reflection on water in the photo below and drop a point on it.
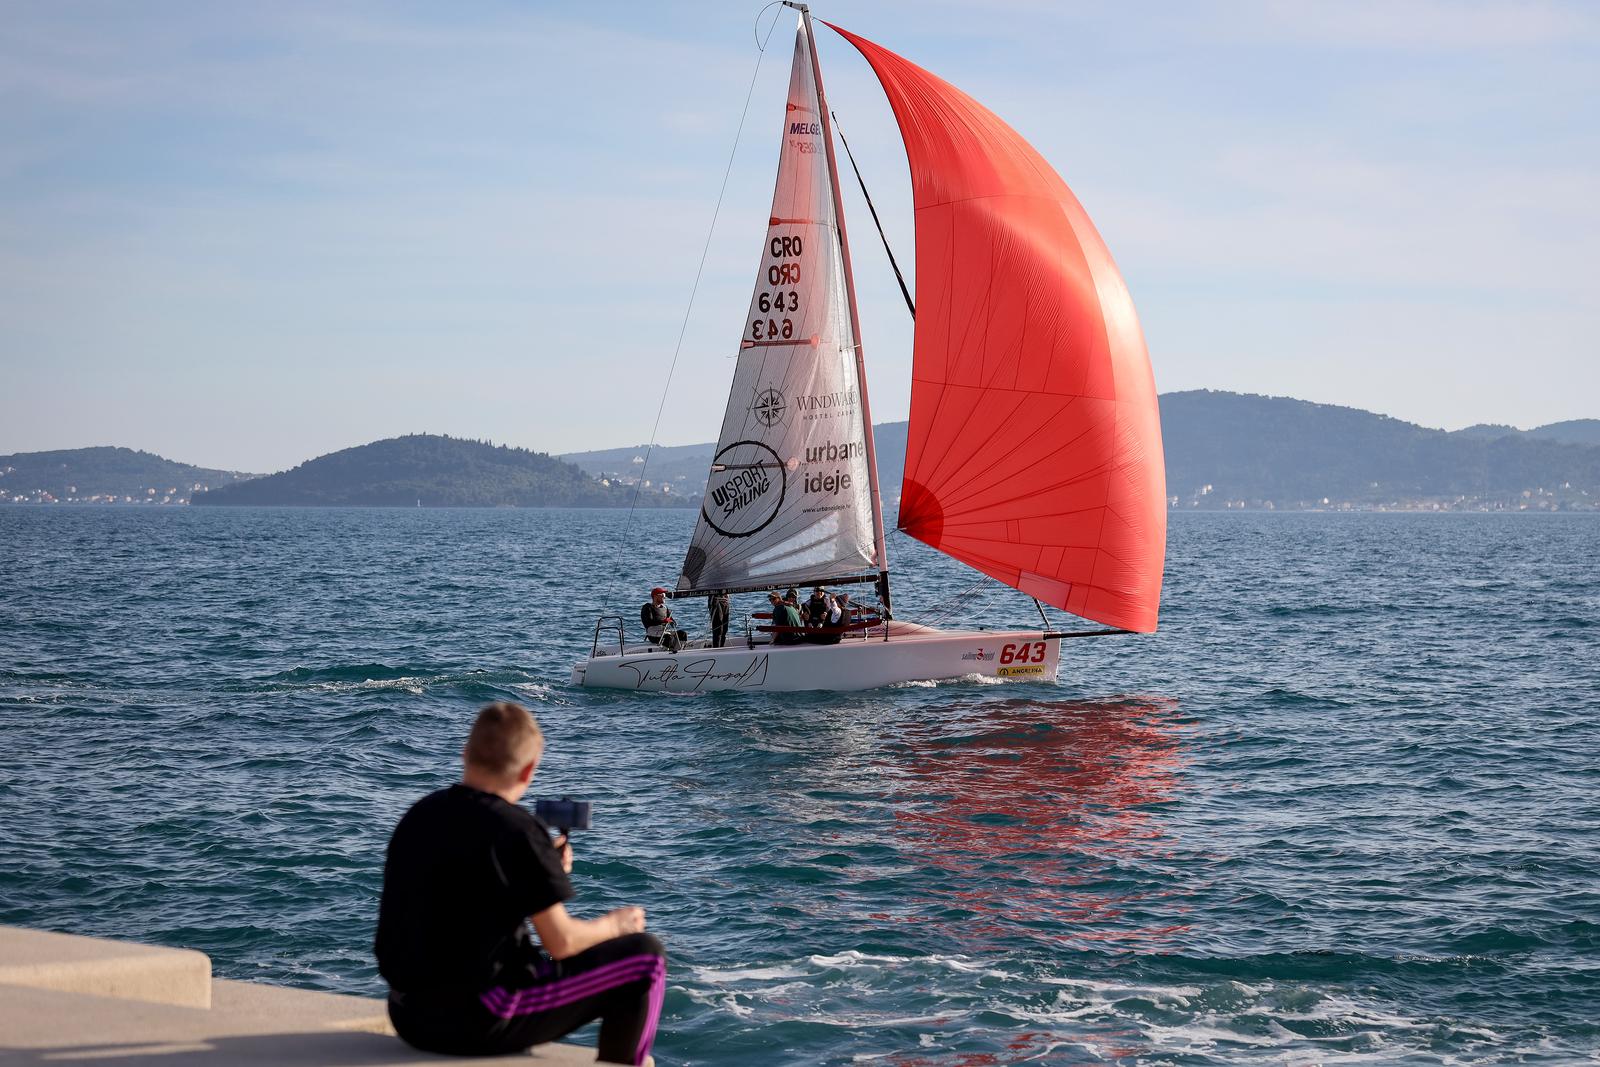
(1029, 1046)
(1043, 810)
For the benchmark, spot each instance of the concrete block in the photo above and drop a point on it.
(248, 1024)
(68, 999)
(71, 964)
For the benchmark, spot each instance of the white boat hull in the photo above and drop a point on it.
(911, 653)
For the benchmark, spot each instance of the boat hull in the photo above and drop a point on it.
(912, 653)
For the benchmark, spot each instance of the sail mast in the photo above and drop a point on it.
(855, 321)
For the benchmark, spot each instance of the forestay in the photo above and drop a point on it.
(788, 498)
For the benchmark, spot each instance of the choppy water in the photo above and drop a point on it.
(1344, 806)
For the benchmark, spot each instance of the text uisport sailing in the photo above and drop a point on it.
(741, 490)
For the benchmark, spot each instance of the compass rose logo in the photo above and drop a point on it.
(769, 407)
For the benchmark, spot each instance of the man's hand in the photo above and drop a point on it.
(627, 920)
(563, 936)
(564, 846)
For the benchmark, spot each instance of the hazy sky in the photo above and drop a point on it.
(242, 235)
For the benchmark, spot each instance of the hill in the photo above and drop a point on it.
(684, 467)
(1223, 450)
(1572, 432)
(432, 471)
(1241, 450)
(104, 475)
(1236, 449)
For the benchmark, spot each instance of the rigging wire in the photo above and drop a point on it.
(958, 603)
(984, 588)
(910, 305)
(638, 487)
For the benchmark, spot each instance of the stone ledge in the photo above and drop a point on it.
(66, 999)
(72, 964)
(250, 1024)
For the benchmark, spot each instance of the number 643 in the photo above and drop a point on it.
(1024, 653)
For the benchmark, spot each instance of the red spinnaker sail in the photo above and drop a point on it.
(1035, 442)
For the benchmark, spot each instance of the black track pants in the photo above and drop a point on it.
(620, 982)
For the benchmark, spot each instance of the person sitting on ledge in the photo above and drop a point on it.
(467, 870)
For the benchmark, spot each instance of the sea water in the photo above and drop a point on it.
(1344, 806)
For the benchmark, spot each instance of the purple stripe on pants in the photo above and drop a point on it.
(658, 992)
(506, 1003)
(502, 995)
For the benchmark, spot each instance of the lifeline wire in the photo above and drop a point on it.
(761, 51)
(959, 601)
(957, 604)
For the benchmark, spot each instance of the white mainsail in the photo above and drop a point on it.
(789, 496)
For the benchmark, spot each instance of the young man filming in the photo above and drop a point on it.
(467, 870)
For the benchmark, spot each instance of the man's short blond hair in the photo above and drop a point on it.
(504, 739)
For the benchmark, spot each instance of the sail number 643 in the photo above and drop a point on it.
(769, 330)
(1024, 653)
(789, 301)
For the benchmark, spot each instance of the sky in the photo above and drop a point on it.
(242, 235)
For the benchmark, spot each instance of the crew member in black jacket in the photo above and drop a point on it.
(660, 628)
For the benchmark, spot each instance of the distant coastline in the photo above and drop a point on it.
(436, 471)
(1224, 452)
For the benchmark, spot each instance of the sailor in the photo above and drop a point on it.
(824, 617)
(786, 615)
(846, 609)
(717, 605)
(660, 628)
(818, 607)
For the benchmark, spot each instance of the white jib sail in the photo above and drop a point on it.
(788, 499)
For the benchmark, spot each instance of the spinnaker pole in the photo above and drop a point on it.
(855, 320)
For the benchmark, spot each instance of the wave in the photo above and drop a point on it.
(965, 679)
(484, 685)
(964, 1002)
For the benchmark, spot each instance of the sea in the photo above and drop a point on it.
(1343, 807)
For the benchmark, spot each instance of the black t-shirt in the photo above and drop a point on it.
(464, 871)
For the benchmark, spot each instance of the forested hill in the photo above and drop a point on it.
(1572, 432)
(1240, 450)
(432, 471)
(1223, 450)
(104, 475)
(1237, 449)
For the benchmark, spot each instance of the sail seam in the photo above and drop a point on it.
(938, 405)
(944, 486)
(957, 500)
(1078, 478)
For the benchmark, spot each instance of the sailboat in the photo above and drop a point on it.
(1034, 444)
